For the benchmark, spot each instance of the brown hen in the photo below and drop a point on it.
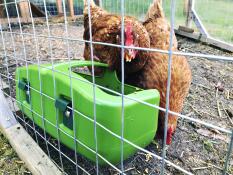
(155, 72)
(106, 28)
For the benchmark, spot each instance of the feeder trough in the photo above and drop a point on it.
(60, 99)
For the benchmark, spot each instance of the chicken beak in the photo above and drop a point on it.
(127, 58)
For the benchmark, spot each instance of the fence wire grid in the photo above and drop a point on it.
(27, 44)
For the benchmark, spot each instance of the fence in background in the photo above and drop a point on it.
(216, 23)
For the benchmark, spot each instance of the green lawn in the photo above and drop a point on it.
(216, 15)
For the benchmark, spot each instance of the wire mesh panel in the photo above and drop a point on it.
(70, 106)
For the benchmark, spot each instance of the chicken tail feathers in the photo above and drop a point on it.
(155, 10)
(92, 3)
(94, 8)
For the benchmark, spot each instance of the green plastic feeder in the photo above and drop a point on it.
(140, 120)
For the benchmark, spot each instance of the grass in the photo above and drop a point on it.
(218, 19)
(216, 15)
(9, 161)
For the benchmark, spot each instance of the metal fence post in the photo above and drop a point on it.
(188, 10)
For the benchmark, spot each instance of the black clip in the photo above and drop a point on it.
(25, 86)
(65, 107)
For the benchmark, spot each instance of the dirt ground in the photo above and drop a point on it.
(195, 148)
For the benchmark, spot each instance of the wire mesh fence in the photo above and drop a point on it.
(219, 27)
(204, 129)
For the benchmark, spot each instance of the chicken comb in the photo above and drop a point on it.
(128, 28)
(128, 34)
